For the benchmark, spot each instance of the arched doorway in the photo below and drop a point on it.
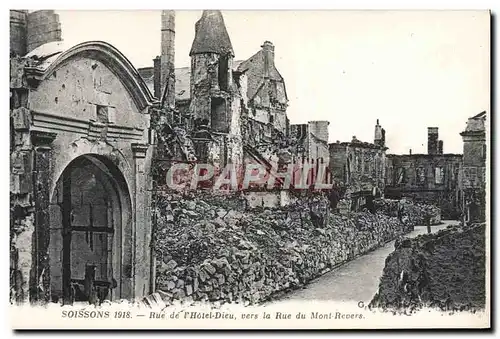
(90, 215)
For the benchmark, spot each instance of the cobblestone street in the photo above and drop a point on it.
(357, 280)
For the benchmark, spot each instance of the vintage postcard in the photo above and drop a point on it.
(249, 169)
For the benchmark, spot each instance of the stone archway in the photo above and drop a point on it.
(90, 222)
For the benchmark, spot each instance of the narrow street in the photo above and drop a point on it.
(357, 280)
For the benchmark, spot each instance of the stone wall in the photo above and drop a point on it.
(445, 270)
(211, 248)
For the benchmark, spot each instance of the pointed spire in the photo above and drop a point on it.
(211, 35)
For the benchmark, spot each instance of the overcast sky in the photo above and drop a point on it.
(409, 69)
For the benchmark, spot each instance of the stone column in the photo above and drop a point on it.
(142, 222)
(40, 275)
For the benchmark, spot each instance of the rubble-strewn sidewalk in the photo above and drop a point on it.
(212, 249)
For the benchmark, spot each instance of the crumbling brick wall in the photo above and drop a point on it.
(211, 248)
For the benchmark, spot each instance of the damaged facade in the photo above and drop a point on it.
(234, 111)
(428, 178)
(359, 170)
(89, 141)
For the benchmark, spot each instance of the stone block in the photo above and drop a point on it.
(21, 118)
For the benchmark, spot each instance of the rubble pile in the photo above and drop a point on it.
(444, 270)
(412, 213)
(213, 250)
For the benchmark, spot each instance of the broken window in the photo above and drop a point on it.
(420, 174)
(439, 175)
(401, 176)
(218, 115)
(223, 73)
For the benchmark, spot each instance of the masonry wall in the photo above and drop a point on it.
(358, 168)
(211, 248)
(473, 174)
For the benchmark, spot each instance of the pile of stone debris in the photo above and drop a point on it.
(444, 270)
(411, 213)
(212, 250)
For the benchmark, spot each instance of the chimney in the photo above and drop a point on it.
(432, 140)
(410, 151)
(268, 49)
(157, 77)
(167, 59)
(440, 147)
(43, 27)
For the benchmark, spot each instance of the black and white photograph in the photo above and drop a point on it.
(230, 169)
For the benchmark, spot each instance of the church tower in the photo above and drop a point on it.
(212, 84)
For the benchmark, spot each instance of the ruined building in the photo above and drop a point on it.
(80, 161)
(429, 178)
(234, 111)
(473, 171)
(91, 136)
(358, 168)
